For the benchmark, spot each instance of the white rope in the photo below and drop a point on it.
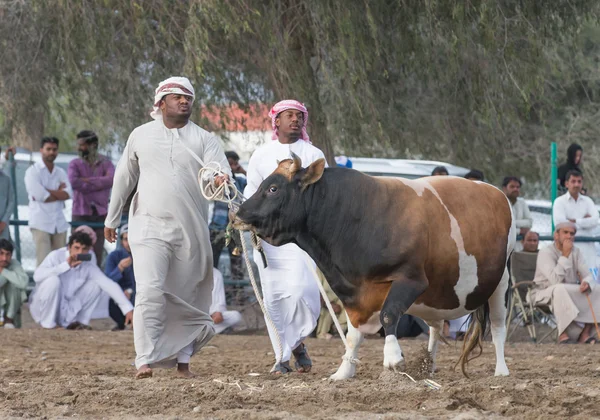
(206, 180)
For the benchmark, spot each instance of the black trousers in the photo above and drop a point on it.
(115, 312)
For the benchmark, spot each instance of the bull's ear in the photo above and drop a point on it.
(296, 165)
(313, 173)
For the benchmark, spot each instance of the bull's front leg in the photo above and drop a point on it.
(348, 367)
(401, 296)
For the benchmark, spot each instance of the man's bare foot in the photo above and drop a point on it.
(183, 371)
(144, 372)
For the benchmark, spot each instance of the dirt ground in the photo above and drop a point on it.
(88, 374)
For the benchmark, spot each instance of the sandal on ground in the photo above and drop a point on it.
(591, 340)
(303, 363)
(281, 368)
(567, 341)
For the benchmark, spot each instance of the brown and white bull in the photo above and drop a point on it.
(434, 247)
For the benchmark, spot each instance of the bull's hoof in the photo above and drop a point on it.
(345, 371)
(501, 372)
(395, 366)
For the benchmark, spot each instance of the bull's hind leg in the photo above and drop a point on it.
(435, 329)
(401, 296)
(498, 321)
(348, 367)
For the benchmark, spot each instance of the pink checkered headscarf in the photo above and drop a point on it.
(281, 106)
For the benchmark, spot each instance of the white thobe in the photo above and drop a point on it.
(290, 290)
(63, 295)
(566, 207)
(523, 219)
(230, 318)
(47, 217)
(169, 239)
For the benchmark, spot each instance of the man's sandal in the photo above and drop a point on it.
(281, 368)
(303, 363)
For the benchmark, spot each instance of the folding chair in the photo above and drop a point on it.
(522, 311)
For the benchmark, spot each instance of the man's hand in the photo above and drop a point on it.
(129, 318)
(2, 226)
(524, 230)
(217, 317)
(567, 247)
(62, 186)
(221, 179)
(587, 215)
(124, 263)
(336, 308)
(110, 234)
(584, 287)
(73, 262)
(10, 149)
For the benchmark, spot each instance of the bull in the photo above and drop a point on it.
(434, 247)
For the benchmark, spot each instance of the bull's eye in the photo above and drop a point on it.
(272, 189)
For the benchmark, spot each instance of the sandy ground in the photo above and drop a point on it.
(88, 374)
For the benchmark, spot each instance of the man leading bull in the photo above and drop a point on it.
(168, 230)
(290, 292)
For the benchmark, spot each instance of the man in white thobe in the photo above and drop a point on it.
(562, 280)
(168, 230)
(579, 209)
(291, 294)
(67, 289)
(511, 187)
(222, 318)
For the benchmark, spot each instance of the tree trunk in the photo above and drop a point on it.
(27, 132)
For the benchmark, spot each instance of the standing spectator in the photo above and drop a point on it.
(439, 171)
(579, 209)
(13, 283)
(119, 268)
(48, 188)
(574, 156)
(92, 177)
(7, 202)
(220, 219)
(511, 186)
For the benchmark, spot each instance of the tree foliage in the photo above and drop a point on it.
(484, 84)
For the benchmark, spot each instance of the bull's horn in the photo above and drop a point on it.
(297, 165)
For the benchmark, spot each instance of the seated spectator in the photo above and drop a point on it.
(119, 268)
(531, 241)
(474, 175)
(325, 322)
(13, 284)
(439, 171)
(222, 318)
(92, 235)
(68, 287)
(560, 268)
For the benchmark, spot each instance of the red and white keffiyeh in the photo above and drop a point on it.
(176, 85)
(281, 106)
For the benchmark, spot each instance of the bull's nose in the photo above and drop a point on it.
(239, 224)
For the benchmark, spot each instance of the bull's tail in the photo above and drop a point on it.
(478, 326)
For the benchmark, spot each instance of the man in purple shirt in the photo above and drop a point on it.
(91, 177)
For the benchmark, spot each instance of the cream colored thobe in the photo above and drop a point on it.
(230, 318)
(64, 294)
(168, 234)
(556, 284)
(290, 292)
(523, 219)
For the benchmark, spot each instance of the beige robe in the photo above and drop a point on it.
(557, 284)
(170, 243)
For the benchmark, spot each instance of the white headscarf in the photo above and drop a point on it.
(176, 85)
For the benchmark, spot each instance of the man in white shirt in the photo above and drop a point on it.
(69, 285)
(222, 318)
(579, 209)
(511, 187)
(48, 187)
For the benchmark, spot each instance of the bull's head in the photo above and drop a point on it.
(276, 211)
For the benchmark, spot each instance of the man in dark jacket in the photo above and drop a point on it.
(119, 268)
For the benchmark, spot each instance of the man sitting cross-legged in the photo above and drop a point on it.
(222, 318)
(13, 283)
(559, 270)
(68, 290)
